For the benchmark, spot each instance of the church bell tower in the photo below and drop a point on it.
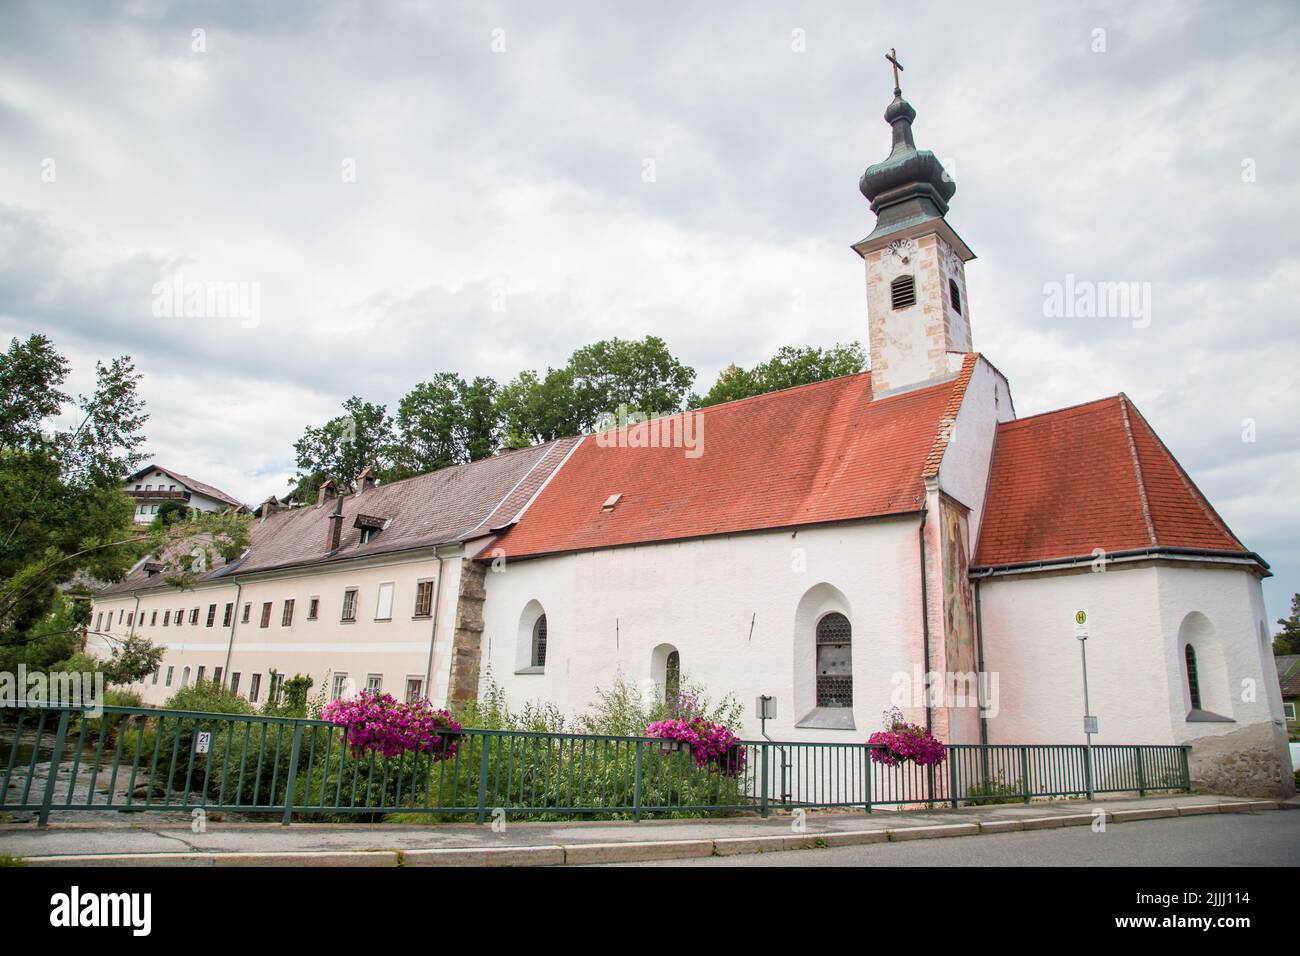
(918, 313)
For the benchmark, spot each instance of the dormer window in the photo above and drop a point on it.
(902, 292)
(369, 525)
(954, 296)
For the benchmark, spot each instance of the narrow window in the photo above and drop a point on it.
(170, 670)
(672, 676)
(1289, 710)
(254, 687)
(99, 621)
(349, 605)
(313, 609)
(266, 614)
(338, 686)
(212, 615)
(167, 618)
(902, 292)
(155, 675)
(384, 604)
(1193, 684)
(247, 609)
(414, 689)
(216, 676)
(276, 690)
(286, 618)
(229, 615)
(424, 599)
(954, 296)
(194, 615)
(834, 661)
(234, 682)
(539, 642)
(153, 618)
(198, 675)
(185, 677)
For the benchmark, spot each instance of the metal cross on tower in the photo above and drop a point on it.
(892, 57)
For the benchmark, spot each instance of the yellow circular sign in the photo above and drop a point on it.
(1080, 617)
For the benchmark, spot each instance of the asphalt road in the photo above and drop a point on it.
(1270, 838)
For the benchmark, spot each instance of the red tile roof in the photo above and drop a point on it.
(1092, 476)
(815, 453)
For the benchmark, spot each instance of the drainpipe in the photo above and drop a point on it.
(979, 650)
(234, 622)
(433, 637)
(925, 627)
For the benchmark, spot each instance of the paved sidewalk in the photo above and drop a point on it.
(548, 844)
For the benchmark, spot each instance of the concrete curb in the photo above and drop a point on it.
(578, 854)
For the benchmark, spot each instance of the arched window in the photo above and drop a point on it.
(185, 677)
(834, 661)
(672, 676)
(902, 292)
(539, 642)
(954, 296)
(1193, 684)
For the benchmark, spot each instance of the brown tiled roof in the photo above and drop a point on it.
(1093, 476)
(202, 488)
(1288, 674)
(440, 507)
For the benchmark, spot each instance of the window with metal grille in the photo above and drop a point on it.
(954, 296)
(349, 605)
(539, 642)
(672, 676)
(424, 599)
(1193, 684)
(834, 661)
(902, 292)
(286, 617)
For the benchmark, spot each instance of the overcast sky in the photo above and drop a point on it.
(500, 155)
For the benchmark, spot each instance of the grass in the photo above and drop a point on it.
(6, 860)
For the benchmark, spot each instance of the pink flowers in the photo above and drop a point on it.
(378, 722)
(901, 741)
(712, 745)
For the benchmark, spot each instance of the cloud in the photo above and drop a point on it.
(519, 176)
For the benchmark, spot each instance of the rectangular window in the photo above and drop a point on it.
(199, 676)
(108, 625)
(120, 612)
(414, 688)
(180, 616)
(384, 605)
(153, 618)
(234, 682)
(247, 608)
(130, 619)
(99, 621)
(338, 685)
(228, 616)
(374, 683)
(167, 618)
(168, 682)
(266, 614)
(212, 614)
(286, 617)
(424, 599)
(194, 616)
(313, 608)
(216, 676)
(254, 687)
(349, 605)
(276, 689)
(155, 674)
(1289, 709)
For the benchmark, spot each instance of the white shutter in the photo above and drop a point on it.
(384, 610)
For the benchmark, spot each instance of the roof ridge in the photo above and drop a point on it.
(1063, 408)
(1188, 484)
(1137, 470)
(948, 417)
(778, 391)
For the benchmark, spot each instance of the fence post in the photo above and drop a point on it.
(1024, 769)
(291, 783)
(55, 760)
(952, 776)
(482, 776)
(763, 798)
(867, 764)
(1187, 770)
(636, 784)
(1142, 779)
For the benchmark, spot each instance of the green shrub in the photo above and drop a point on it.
(994, 790)
(208, 697)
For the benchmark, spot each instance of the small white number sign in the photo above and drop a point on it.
(202, 740)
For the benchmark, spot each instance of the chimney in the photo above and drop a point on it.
(365, 481)
(270, 506)
(327, 492)
(334, 529)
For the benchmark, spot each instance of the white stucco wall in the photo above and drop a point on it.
(964, 473)
(1135, 658)
(607, 611)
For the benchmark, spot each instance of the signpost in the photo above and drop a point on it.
(1089, 721)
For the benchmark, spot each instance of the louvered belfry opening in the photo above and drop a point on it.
(902, 292)
(834, 661)
(954, 295)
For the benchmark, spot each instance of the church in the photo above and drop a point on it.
(897, 537)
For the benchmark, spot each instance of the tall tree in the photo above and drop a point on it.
(789, 367)
(362, 437)
(1287, 640)
(446, 421)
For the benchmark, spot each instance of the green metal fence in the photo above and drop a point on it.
(134, 759)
